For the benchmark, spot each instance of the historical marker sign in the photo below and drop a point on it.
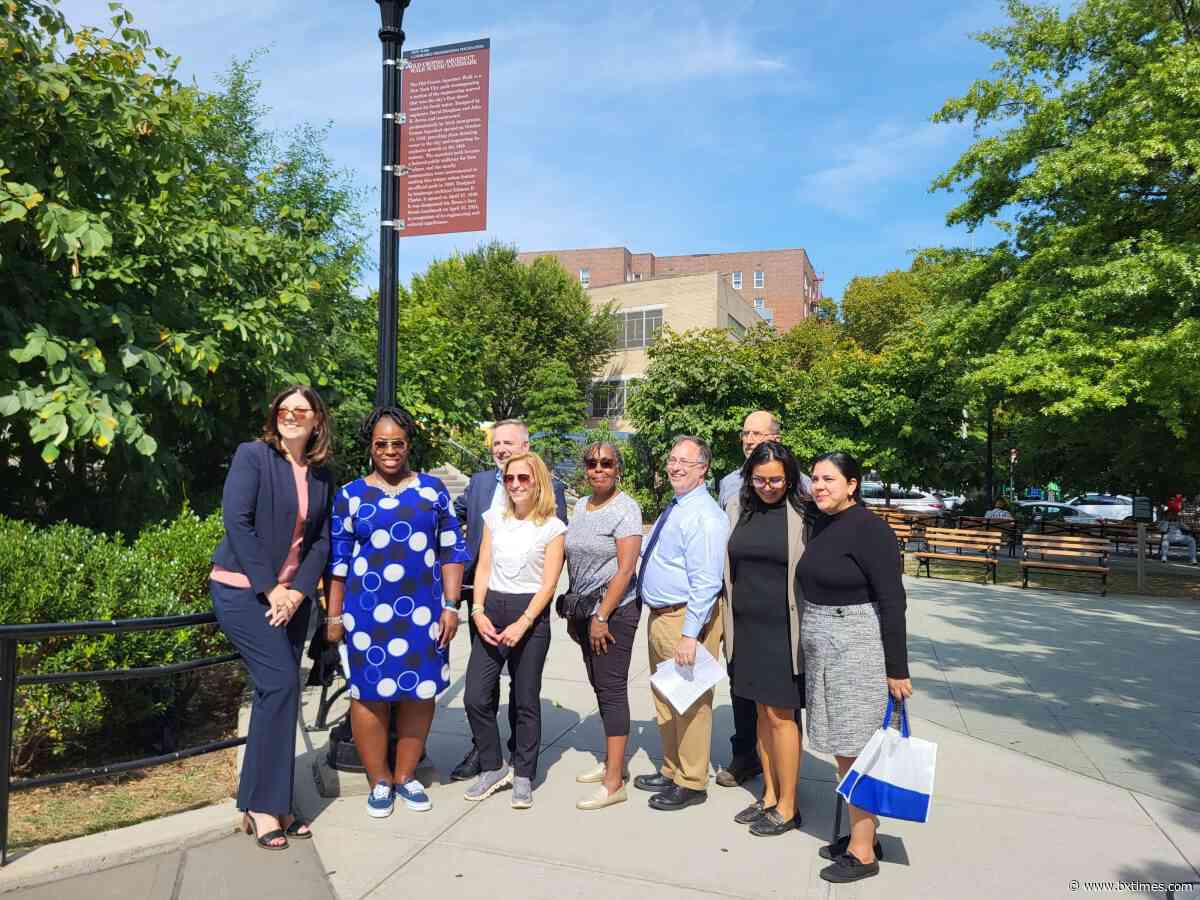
(444, 139)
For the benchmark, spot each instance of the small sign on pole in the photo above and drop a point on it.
(444, 148)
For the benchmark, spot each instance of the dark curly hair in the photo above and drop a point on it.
(748, 501)
(401, 417)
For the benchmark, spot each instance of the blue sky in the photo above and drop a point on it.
(672, 126)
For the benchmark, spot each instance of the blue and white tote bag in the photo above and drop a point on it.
(893, 776)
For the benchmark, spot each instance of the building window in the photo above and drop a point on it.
(735, 326)
(759, 303)
(585, 277)
(760, 280)
(737, 281)
(607, 400)
(638, 328)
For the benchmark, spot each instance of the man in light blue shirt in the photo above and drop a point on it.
(681, 574)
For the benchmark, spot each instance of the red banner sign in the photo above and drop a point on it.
(444, 139)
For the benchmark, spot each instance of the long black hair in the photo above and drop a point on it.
(401, 417)
(768, 451)
(848, 466)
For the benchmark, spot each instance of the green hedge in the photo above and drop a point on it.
(67, 573)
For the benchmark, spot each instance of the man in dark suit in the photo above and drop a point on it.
(483, 492)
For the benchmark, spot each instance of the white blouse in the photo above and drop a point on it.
(519, 551)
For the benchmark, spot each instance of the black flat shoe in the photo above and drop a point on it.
(655, 782)
(468, 768)
(751, 813)
(676, 797)
(847, 868)
(771, 823)
(840, 846)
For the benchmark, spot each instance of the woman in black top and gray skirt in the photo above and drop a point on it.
(767, 523)
(854, 639)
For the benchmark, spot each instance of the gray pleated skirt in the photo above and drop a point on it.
(844, 675)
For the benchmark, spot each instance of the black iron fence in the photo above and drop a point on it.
(13, 635)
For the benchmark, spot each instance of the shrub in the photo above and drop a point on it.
(68, 573)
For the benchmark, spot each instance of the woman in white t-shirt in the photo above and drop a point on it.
(520, 559)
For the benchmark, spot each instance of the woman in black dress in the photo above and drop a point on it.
(767, 540)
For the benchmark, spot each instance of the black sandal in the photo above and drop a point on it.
(250, 826)
(293, 831)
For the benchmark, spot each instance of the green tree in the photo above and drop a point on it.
(520, 317)
(164, 266)
(554, 409)
(874, 306)
(1087, 142)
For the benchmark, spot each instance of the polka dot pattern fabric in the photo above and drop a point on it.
(385, 549)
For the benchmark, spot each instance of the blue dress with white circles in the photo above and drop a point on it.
(391, 551)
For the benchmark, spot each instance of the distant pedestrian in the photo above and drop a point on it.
(854, 640)
(1174, 534)
(275, 506)
(999, 511)
(766, 663)
(396, 576)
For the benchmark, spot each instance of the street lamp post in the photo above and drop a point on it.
(391, 35)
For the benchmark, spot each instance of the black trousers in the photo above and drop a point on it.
(272, 656)
(744, 740)
(525, 664)
(468, 599)
(609, 672)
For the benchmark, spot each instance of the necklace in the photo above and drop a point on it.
(396, 489)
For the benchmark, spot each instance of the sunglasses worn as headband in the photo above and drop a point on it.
(518, 478)
(601, 463)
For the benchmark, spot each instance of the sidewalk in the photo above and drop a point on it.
(1067, 731)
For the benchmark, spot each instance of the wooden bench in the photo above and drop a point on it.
(960, 545)
(1006, 528)
(1126, 533)
(1062, 548)
(904, 534)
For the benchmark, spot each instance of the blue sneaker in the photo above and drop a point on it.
(380, 802)
(412, 792)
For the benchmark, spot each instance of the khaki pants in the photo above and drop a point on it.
(686, 738)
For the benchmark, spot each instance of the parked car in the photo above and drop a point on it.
(1113, 507)
(951, 501)
(907, 499)
(1047, 511)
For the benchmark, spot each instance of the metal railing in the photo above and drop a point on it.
(13, 635)
(469, 462)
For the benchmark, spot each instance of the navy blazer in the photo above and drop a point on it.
(259, 511)
(470, 506)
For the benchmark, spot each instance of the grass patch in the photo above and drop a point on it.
(56, 813)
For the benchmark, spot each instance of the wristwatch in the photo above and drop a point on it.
(451, 604)
(599, 618)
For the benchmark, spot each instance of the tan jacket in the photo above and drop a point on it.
(797, 535)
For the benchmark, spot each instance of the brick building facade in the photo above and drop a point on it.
(781, 284)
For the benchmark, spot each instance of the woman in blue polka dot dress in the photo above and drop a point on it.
(396, 574)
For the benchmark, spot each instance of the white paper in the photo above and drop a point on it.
(681, 686)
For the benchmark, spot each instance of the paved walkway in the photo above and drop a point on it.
(1067, 725)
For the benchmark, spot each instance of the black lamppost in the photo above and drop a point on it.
(391, 35)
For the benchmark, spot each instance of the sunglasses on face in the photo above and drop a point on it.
(394, 444)
(776, 481)
(299, 413)
(600, 463)
(519, 478)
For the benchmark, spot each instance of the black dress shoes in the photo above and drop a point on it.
(655, 782)
(740, 769)
(840, 846)
(676, 797)
(468, 768)
(847, 867)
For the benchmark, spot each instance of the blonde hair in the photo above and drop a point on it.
(543, 491)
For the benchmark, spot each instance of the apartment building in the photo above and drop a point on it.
(781, 285)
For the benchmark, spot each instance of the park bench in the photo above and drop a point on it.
(1006, 528)
(904, 534)
(1051, 552)
(1126, 533)
(960, 545)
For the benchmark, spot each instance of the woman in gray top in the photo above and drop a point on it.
(604, 540)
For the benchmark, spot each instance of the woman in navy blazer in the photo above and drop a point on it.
(265, 573)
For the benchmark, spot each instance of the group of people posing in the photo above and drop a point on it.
(792, 564)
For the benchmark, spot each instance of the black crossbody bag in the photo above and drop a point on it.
(578, 607)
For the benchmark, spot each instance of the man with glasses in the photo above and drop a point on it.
(681, 575)
(484, 492)
(759, 426)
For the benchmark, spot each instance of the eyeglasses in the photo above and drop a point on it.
(393, 444)
(758, 434)
(602, 463)
(299, 413)
(775, 481)
(518, 478)
(680, 461)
